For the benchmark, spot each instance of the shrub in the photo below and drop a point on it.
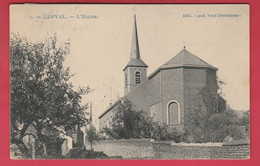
(212, 127)
(163, 132)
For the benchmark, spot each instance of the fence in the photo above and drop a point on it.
(144, 149)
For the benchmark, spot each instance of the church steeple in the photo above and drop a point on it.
(135, 58)
(135, 53)
(135, 70)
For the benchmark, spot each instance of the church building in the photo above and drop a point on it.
(169, 93)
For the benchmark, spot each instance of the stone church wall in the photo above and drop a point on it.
(195, 80)
(106, 120)
(172, 90)
(146, 94)
(130, 71)
(212, 90)
(211, 80)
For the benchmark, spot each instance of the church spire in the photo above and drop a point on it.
(135, 59)
(135, 53)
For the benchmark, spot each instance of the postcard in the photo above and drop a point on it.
(133, 81)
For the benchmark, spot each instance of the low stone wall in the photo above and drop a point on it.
(128, 149)
(167, 151)
(144, 149)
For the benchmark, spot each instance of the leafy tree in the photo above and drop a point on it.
(245, 119)
(41, 94)
(127, 120)
(204, 123)
(131, 123)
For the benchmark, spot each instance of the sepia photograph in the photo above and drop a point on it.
(129, 81)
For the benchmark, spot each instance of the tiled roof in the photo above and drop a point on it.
(185, 58)
(136, 63)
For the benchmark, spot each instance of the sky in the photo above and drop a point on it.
(100, 42)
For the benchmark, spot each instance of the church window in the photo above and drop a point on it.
(173, 112)
(137, 77)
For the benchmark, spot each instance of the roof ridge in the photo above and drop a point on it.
(184, 57)
(199, 58)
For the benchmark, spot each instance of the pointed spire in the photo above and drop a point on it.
(135, 59)
(135, 53)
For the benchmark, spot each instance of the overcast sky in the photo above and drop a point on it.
(100, 46)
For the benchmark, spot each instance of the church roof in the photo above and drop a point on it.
(183, 59)
(136, 63)
(186, 59)
(135, 60)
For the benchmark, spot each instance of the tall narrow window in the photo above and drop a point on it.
(173, 113)
(137, 77)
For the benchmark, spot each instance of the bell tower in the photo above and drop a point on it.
(135, 70)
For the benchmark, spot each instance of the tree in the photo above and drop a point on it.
(41, 94)
(127, 120)
(131, 123)
(206, 123)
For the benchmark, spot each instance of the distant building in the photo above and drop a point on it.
(168, 93)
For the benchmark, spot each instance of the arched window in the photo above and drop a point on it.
(173, 112)
(137, 77)
(125, 79)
